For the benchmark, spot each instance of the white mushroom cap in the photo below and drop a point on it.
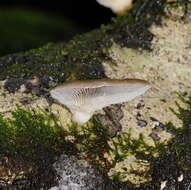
(117, 6)
(83, 98)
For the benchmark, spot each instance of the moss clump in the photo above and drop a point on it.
(32, 139)
(181, 144)
(92, 142)
(29, 132)
(29, 144)
(125, 145)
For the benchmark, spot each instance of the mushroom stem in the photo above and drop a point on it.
(81, 117)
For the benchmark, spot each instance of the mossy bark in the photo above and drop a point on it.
(149, 49)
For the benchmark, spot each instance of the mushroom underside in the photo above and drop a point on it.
(83, 102)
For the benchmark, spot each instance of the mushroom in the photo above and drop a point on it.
(83, 98)
(117, 6)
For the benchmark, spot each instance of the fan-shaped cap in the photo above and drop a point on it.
(83, 98)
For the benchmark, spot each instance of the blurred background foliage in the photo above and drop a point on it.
(23, 29)
(30, 24)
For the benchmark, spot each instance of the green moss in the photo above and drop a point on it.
(36, 136)
(181, 144)
(125, 146)
(27, 130)
(82, 56)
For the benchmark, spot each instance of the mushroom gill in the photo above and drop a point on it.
(83, 98)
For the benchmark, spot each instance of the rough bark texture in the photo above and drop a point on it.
(157, 49)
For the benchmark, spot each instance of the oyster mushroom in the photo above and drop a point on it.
(83, 98)
(117, 6)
